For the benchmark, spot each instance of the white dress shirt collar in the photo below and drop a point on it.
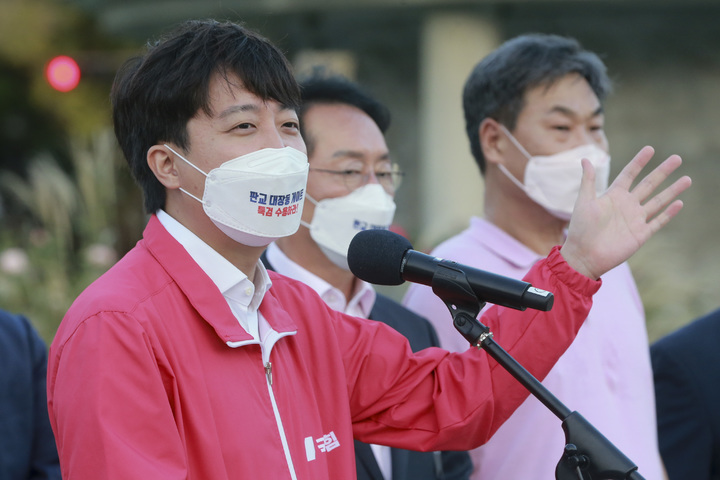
(243, 296)
(359, 305)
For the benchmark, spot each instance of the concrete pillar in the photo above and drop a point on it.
(451, 188)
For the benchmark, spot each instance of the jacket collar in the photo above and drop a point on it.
(202, 293)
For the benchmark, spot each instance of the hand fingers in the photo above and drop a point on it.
(630, 172)
(587, 184)
(663, 218)
(659, 201)
(651, 181)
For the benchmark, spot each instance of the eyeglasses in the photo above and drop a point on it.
(389, 179)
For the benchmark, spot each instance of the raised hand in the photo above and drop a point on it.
(607, 230)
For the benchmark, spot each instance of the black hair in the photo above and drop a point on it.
(155, 95)
(320, 89)
(497, 85)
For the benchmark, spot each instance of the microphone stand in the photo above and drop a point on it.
(588, 455)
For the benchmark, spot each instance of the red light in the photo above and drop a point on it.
(63, 73)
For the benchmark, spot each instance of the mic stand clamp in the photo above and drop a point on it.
(452, 287)
(588, 455)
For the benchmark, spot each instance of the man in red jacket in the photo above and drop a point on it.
(189, 360)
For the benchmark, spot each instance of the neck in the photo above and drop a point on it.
(243, 257)
(302, 249)
(524, 220)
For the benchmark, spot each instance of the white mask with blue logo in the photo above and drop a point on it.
(337, 220)
(256, 198)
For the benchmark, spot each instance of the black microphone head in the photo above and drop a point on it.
(376, 256)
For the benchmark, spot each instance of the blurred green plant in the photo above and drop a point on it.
(68, 232)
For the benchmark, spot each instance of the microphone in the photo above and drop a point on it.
(386, 258)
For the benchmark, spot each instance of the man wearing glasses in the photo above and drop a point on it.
(351, 185)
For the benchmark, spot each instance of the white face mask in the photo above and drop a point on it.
(337, 220)
(553, 181)
(256, 198)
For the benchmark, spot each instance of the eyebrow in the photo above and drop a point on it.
(356, 154)
(238, 108)
(571, 113)
(248, 107)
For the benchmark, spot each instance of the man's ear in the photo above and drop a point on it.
(162, 163)
(493, 141)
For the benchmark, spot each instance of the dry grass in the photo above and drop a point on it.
(66, 238)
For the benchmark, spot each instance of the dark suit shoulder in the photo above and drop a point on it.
(417, 329)
(690, 356)
(687, 386)
(18, 340)
(694, 345)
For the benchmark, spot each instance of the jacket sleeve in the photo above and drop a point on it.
(435, 400)
(108, 405)
(421, 300)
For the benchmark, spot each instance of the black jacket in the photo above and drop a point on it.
(686, 367)
(27, 445)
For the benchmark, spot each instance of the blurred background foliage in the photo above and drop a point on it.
(68, 229)
(65, 213)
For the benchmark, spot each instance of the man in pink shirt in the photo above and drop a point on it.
(533, 110)
(188, 360)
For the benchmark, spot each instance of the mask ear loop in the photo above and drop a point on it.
(314, 202)
(512, 139)
(507, 173)
(502, 167)
(196, 168)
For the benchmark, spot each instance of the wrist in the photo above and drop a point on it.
(577, 261)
